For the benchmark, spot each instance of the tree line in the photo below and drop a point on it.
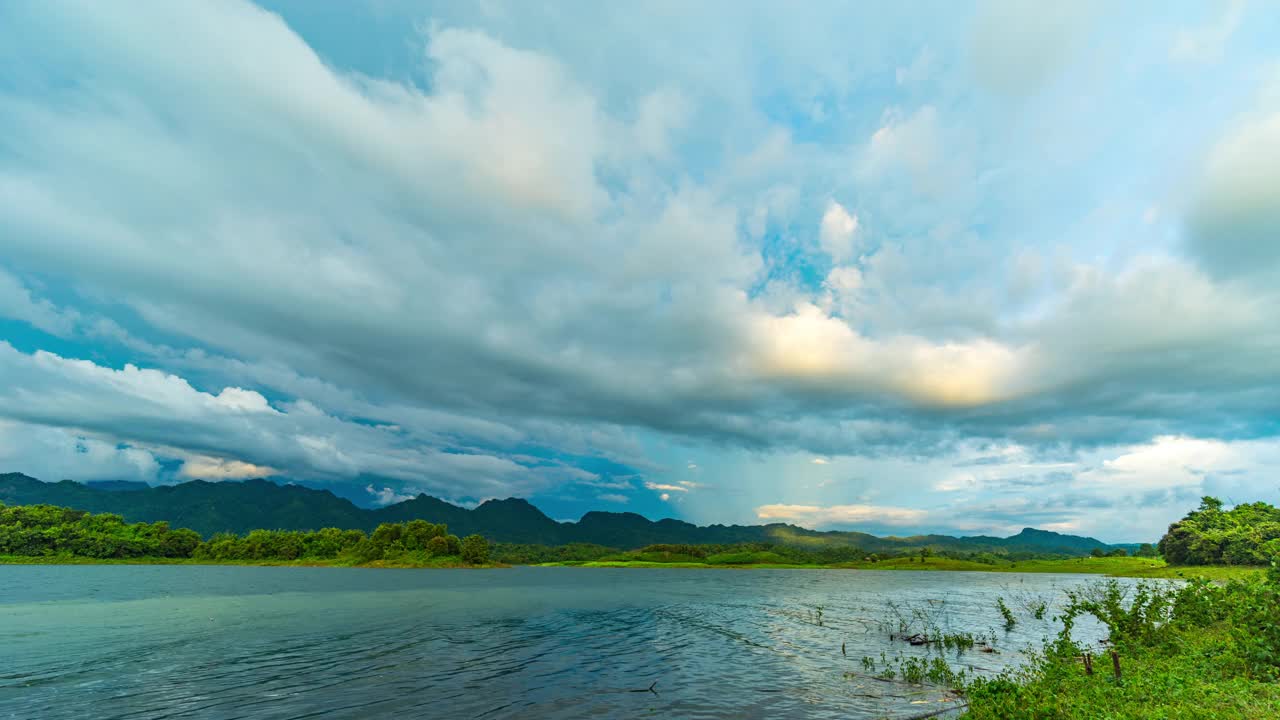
(1247, 534)
(754, 552)
(48, 530)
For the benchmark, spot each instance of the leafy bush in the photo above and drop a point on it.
(475, 550)
(1146, 550)
(1129, 620)
(1254, 609)
(525, 554)
(1199, 650)
(438, 546)
(745, 558)
(687, 551)
(453, 545)
(1009, 620)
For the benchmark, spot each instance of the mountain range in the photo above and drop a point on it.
(238, 507)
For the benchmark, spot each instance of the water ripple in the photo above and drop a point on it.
(150, 643)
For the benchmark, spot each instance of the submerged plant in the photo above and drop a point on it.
(1009, 620)
(958, 641)
(917, 671)
(913, 670)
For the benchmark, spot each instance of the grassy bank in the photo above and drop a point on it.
(1186, 679)
(1202, 650)
(1110, 566)
(685, 564)
(397, 562)
(47, 534)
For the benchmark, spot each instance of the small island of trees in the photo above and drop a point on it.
(48, 531)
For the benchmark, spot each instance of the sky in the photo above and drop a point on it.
(929, 266)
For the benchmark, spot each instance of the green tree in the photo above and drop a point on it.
(417, 533)
(324, 543)
(1211, 535)
(367, 551)
(438, 546)
(1210, 504)
(180, 543)
(387, 537)
(454, 544)
(475, 550)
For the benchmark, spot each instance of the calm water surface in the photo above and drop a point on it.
(144, 642)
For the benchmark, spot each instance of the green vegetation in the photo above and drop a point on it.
(1247, 534)
(1219, 573)
(1203, 650)
(596, 556)
(1115, 562)
(527, 554)
(669, 555)
(914, 670)
(1009, 619)
(1200, 650)
(45, 533)
(1118, 566)
(240, 507)
(740, 555)
(475, 549)
(48, 530)
(1243, 533)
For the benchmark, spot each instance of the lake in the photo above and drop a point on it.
(143, 642)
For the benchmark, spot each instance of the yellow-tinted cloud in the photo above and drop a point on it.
(816, 516)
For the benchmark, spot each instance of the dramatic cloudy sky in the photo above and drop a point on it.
(854, 265)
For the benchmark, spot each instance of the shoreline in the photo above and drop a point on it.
(1108, 567)
(444, 564)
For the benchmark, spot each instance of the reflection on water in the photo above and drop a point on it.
(242, 642)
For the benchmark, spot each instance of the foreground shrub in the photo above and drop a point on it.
(1197, 650)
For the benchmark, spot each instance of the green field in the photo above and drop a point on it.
(1110, 566)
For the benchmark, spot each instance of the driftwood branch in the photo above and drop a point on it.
(648, 689)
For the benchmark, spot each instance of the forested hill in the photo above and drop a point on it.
(242, 506)
(1247, 534)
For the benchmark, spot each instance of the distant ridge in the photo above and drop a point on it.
(118, 485)
(238, 507)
